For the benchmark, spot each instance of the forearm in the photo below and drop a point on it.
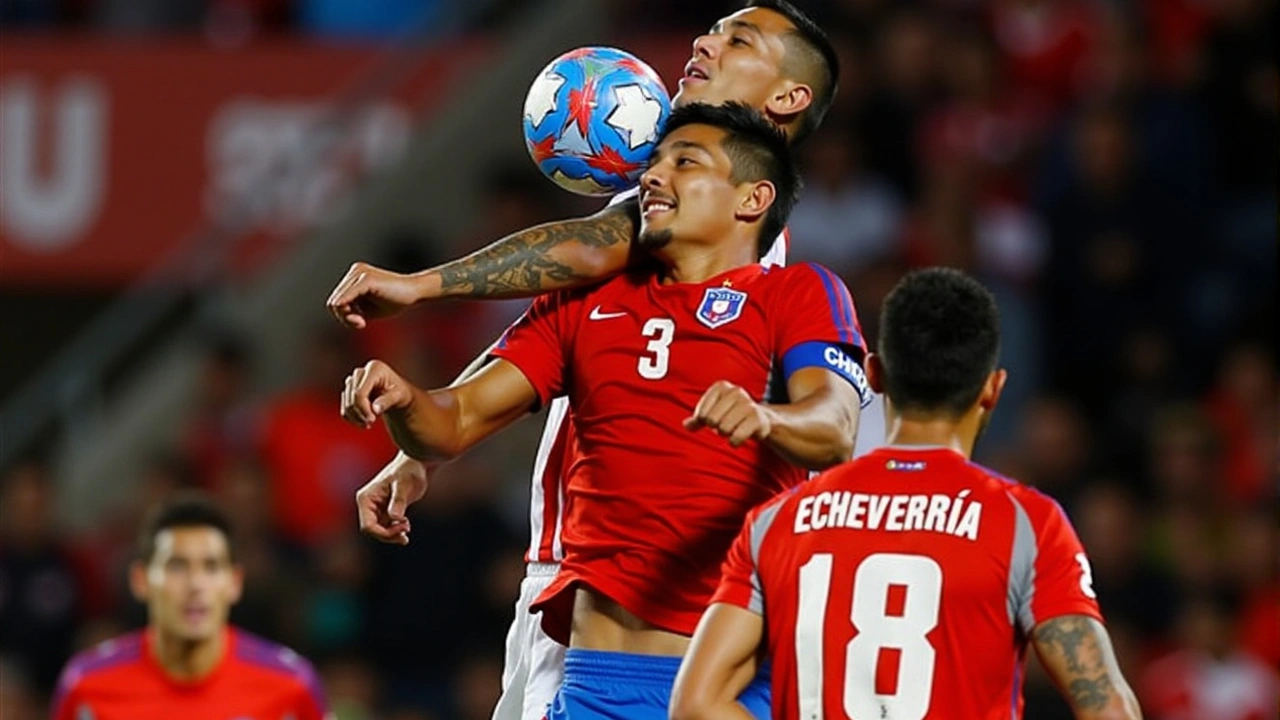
(1076, 652)
(814, 433)
(429, 428)
(547, 257)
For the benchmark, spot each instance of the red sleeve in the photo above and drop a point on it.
(1063, 581)
(818, 309)
(739, 583)
(538, 345)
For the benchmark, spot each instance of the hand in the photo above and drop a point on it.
(730, 411)
(367, 293)
(382, 502)
(372, 390)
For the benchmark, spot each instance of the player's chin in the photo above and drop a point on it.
(653, 236)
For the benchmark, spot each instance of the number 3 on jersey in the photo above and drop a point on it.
(653, 366)
(901, 631)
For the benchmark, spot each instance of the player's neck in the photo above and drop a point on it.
(698, 263)
(187, 660)
(933, 432)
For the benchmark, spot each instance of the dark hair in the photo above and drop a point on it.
(186, 509)
(810, 58)
(939, 340)
(758, 150)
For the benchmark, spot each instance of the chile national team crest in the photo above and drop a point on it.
(720, 306)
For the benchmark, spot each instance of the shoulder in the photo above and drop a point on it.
(766, 515)
(276, 659)
(801, 272)
(113, 654)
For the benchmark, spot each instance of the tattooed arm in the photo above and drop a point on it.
(552, 256)
(1076, 652)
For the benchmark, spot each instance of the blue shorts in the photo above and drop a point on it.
(602, 685)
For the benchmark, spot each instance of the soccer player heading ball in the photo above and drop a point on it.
(691, 385)
(907, 584)
(768, 55)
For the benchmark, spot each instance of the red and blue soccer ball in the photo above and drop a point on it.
(592, 119)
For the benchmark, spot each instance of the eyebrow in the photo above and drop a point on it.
(681, 145)
(738, 25)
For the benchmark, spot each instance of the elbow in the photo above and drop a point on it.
(839, 448)
(1120, 706)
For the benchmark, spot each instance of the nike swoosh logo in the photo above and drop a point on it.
(597, 315)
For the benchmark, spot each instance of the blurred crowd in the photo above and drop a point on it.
(1107, 167)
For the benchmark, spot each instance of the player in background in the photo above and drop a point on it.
(907, 584)
(767, 358)
(768, 55)
(189, 663)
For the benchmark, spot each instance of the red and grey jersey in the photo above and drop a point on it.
(905, 584)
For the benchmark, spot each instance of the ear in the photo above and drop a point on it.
(138, 584)
(793, 99)
(757, 201)
(875, 373)
(992, 389)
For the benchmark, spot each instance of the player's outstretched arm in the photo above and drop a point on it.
(437, 425)
(722, 660)
(382, 504)
(540, 259)
(1076, 652)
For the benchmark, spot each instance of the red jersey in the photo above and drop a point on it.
(557, 449)
(652, 507)
(904, 585)
(121, 679)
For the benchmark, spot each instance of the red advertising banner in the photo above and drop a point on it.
(112, 152)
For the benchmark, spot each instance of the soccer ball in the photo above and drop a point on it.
(592, 119)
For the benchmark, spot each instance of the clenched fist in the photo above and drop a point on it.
(372, 390)
(730, 411)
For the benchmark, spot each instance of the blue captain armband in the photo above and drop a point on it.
(829, 356)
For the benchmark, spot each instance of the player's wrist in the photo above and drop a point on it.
(428, 286)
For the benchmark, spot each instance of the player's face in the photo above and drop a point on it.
(740, 60)
(687, 194)
(190, 584)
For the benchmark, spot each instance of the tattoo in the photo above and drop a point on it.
(520, 264)
(1074, 649)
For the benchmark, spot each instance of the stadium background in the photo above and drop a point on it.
(184, 180)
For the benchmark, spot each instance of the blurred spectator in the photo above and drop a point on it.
(450, 589)
(244, 491)
(225, 420)
(904, 57)
(988, 129)
(1209, 675)
(1047, 45)
(315, 459)
(1243, 407)
(42, 593)
(1055, 448)
(1132, 592)
(846, 217)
